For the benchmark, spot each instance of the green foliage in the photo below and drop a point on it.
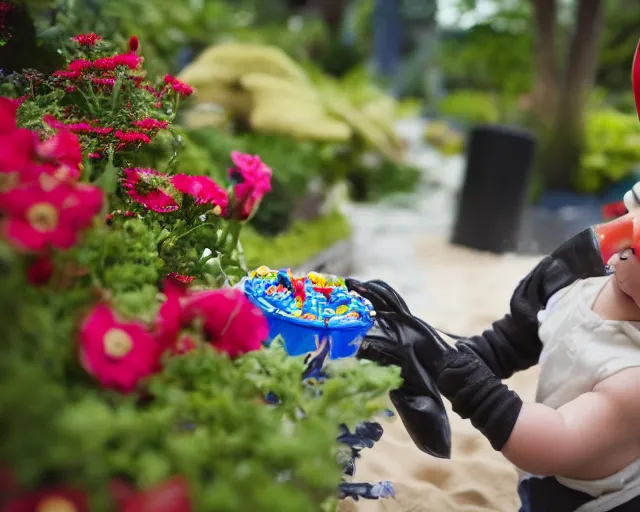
(300, 243)
(612, 149)
(470, 107)
(617, 44)
(493, 56)
(444, 139)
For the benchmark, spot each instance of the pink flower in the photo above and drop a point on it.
(132, 137)
(70, 75)
(94, 156)
(81, 127)
(251, 180)
(151, 124)
(203, 190)
(178, 86)
(58, 498)
(232, 324)
(180, 278)
(63, 149)
(118, 354)
(17, 151)
(49, 213)
(79, 65)
(8, 108)
(129, 60)
(147, 187)
(107, 82)
(87, 39)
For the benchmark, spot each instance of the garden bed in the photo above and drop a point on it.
(318, 244)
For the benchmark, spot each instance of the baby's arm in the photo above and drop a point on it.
(593, 436)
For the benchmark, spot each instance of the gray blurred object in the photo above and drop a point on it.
(418, 74)
(544, 229)
(492, 201)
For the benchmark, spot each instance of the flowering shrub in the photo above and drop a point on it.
(130, 379)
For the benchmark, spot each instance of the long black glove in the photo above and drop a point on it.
(474, 391)
(512, 344)
(418, 401)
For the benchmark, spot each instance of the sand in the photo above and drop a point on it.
(466, 291)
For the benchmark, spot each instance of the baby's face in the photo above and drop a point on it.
(627, 273)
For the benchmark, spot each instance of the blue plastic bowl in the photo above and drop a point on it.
(302, 336)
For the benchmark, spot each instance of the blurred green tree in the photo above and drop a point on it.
(563, 74)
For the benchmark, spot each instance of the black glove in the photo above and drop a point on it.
(474, 391)
(418, 401)
(513, 344)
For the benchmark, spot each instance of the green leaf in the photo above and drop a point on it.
(108, 180)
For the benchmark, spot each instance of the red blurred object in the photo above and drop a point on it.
(617, 235)
(171, 496)
(40, 271)
(134, 44)
(635, 78)
(612, 211)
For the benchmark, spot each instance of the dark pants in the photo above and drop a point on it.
(549, 495)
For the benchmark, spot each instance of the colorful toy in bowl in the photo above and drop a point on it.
(306, 310)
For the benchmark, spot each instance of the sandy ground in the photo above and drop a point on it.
(465, 291)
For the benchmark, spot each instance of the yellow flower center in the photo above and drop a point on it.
(48, 182)
(216, 210)
(9, 181)
(117, 343)
(56, 504)
(43, 217)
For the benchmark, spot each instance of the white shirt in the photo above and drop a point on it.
(581, 349)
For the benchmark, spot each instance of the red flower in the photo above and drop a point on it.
(118, 354)
(107, 82)
(134, 44)
(180, 278)
(8, 108)
(64, 149)
(178, 86)
(151, 124)
(70, 75)
(49, 213)
(87, 39)
(232, 324)
(171, 496)
(40, 271)
(147, 187)
(79, 65)
(132, 137)
(17, 151)
(82, 127)
(251, 180)
(21, 154)
(129, 60)
(202, 188)
(54, 499)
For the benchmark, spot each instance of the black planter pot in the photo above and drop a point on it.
(499, 160)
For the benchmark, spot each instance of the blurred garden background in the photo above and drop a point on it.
(320, 87)
(392, 127)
